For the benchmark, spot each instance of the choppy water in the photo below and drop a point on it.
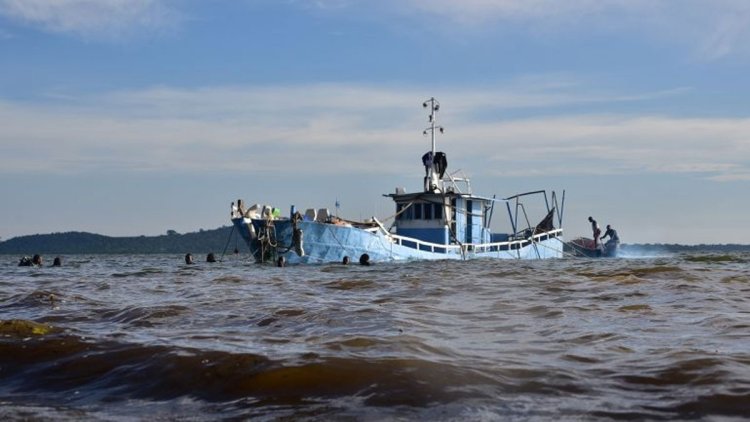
(147, 337)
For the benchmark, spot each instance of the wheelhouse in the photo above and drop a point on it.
(450, 218)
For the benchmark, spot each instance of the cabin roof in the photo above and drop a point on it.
(429, 196)
(408, 197)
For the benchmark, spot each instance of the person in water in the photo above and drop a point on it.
(364, 259)
(614, 239)
(36, 261)
(595, 230)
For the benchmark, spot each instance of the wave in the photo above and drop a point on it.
(145, 272)
(56, 366)
(715, 259)
(143, 316)
(560, 339)
(61, 364)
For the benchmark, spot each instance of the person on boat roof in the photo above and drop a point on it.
(427, 162)
(441, 163)
(614, 239)
(596, 231)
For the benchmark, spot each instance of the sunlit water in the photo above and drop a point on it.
(145, 337)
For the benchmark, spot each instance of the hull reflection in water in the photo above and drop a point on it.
(140, 337)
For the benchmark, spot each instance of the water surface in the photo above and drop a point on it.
(142, 337)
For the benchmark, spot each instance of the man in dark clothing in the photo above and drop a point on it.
(427, 160)
(614, 239)
(441, 163)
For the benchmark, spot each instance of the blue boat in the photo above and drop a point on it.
(443, 221)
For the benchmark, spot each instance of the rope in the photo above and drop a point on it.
(227, 245)
(266, 240)
(572, 255)
(333, 235)
(398, 213)
(450, 228)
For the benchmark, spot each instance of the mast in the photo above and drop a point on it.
(431, 182)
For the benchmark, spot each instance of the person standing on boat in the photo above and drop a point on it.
(235, 210)
(596, 231)
(614, 239)
(427, 160)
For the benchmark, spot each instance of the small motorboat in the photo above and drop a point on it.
(583, 246)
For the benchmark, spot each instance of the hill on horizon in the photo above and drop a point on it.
(203, 241)
(216, 240)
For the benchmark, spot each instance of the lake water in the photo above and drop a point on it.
(148, 337)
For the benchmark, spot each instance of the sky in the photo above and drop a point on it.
(134, 117)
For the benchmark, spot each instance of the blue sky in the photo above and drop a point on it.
(129, 117)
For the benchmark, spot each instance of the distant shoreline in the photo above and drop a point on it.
(73, 243)
(205, 241)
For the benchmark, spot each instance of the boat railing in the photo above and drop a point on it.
(516, 243)
(417, 244)
(509, 245)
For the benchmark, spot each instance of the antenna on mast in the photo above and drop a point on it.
(431, 180)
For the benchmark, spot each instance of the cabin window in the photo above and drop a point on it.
(438, 211)
(428, 211)
(409, 213)
(417, 211)
(404, 212)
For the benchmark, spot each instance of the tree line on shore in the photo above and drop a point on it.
(69, 243)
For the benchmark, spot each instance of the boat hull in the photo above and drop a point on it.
(327, 243)
(585, 248)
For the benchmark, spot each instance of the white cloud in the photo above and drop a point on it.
(471, 11)
(108, 19)
(345, 129)
(717, 148)
(729, 33)
(710, 30)
(311, 146)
